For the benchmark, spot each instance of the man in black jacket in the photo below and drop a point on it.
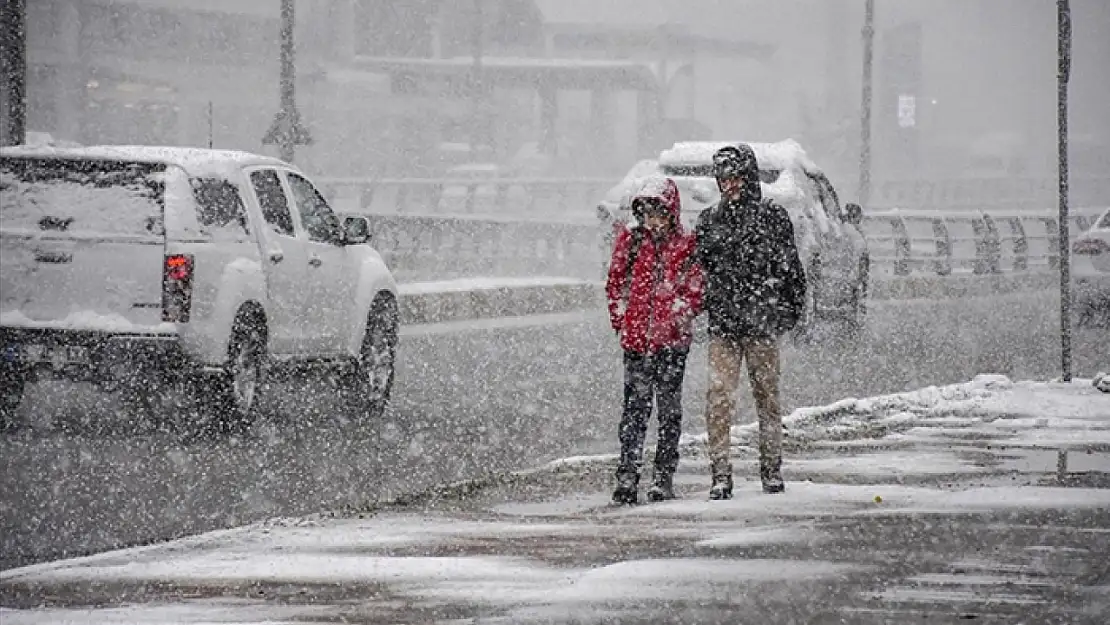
(755, 292)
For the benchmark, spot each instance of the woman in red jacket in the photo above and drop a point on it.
(654, 292)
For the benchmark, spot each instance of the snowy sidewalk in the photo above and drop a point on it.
(941, 504)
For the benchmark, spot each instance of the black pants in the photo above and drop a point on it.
(656, 376)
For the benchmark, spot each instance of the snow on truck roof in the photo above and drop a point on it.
(196, 161)
(778, 155)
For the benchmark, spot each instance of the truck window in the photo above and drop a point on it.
(317, 218)
(219, 206)
(82, 196)
(272, 201)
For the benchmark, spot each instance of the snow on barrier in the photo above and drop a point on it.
(486, 298)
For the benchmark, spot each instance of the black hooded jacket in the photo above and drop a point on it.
(755, 281)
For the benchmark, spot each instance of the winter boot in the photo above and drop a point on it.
(627, 490)
(721, 488)
(662, 489)
(770, 473)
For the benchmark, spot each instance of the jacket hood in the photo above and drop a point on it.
(665, 191)
(748, 166)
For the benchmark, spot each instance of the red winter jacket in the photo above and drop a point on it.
(657, 310)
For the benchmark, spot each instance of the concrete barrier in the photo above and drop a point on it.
(461, 300)
(469, 299)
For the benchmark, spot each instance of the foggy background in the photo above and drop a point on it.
(578, 86)
(964, 90)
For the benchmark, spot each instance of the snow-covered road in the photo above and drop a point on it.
(499, 395)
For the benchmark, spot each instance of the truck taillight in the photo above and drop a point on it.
(1090, 247)
(177, 288)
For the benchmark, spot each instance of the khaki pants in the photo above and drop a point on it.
(725, 356)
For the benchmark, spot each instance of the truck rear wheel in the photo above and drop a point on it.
(231, 401)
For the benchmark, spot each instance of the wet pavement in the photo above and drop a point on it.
(469, 401)
(918, 528)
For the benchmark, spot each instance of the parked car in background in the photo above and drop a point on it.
(1090, 273)
(829, 235)
(146, 269)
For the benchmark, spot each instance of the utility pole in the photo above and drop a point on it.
(13, 69)
(286, 130)
(1063, 75)
(480, 131)
(866, 105)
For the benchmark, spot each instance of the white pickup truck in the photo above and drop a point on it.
(146, 269)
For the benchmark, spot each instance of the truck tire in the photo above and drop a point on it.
(369, 381)
(231, 401)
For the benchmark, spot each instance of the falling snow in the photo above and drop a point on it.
(303, 310)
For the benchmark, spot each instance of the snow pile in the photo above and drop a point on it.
(985, 399)
(810, 500)
(966, 399)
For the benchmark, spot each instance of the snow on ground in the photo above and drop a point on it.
(887, 464)
(534, 560)
(986, 399)
(283, 536)
(806, 500)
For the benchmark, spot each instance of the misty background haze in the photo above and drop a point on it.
(579, 88)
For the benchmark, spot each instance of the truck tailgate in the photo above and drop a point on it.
(82, 243)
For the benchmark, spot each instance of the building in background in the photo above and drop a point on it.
(385, 88)
(964, 88)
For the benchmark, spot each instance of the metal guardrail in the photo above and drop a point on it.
(450, 228)
(975, 241)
